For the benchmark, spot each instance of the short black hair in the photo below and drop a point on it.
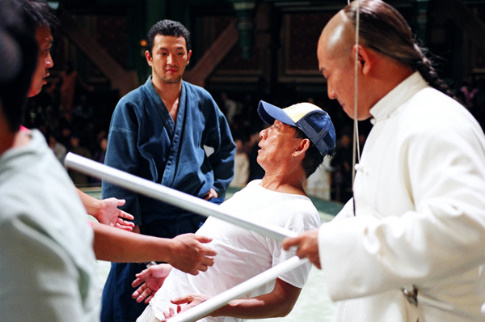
(168, 28)
(313, 157)
(39, 14)
(17, 35)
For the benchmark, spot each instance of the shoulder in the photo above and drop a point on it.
(433, 121)
(130, 107)
(196, 91)
(298, 213)
(430, 111)
(134, 97)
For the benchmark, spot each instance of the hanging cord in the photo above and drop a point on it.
(356, 147)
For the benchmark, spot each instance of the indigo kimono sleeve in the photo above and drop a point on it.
(219, 137)
(122, 154)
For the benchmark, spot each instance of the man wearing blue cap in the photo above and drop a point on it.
(291, 149)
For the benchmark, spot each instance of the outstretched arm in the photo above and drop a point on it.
(106, 211)
(277, 303)
(185, 252)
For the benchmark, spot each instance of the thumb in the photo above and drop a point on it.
(289, 242)
(181, 300)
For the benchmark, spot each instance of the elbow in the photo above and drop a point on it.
(284, 310)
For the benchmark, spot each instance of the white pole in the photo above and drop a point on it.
(168, 195)
(237, 291)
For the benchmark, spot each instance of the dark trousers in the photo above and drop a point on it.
(117, 305)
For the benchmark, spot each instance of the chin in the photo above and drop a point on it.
(34, 91)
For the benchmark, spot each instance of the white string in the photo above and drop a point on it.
(356, 147)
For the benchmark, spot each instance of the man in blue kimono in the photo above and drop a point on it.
(158, 132)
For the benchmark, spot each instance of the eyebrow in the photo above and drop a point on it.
(178, 47)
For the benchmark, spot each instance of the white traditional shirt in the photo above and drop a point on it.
(420, 215)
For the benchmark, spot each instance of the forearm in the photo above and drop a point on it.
(91, 204)
(116, 245)
(278, 303)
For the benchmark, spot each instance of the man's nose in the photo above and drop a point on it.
(170, 59)
(331, 92)
(49, 63)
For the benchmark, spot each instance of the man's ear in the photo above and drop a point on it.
(148, 57)
(302, 147)
(365, 58)
(189, 54)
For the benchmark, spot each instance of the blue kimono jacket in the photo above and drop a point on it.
(145, 141)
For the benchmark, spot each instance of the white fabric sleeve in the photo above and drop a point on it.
(365, 255)
(46, 281)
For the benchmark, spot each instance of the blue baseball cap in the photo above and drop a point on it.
(314, 122)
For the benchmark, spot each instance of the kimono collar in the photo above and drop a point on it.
(397, 97)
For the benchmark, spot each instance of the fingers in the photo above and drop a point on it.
(169, 314)
(208, 252)
(120, 202)
(143, 293)
(181, 300)
(148, 299)
(194, 271)
(125, 215)
(144, 274)
(207, 261)
(140, 293)
(125, 223)
(124, 227)
(136, 282)
(290, 242)
(203, 239)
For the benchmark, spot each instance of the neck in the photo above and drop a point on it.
(10, 140)
(286, 182)
(388, 76)
(167, 91)
(6, 136)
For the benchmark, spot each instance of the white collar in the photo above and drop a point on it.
(397, 96)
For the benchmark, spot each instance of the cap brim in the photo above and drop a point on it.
(268, 113)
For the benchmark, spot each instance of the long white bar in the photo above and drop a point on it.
(169, 195)
(237, 291)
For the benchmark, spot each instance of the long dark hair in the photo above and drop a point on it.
(383, 29)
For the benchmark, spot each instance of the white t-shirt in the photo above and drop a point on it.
(242, 254)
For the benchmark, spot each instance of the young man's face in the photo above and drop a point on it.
(44, 39)
(168, 58)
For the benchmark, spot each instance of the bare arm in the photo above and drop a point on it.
(184, 252)
(277, 303)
